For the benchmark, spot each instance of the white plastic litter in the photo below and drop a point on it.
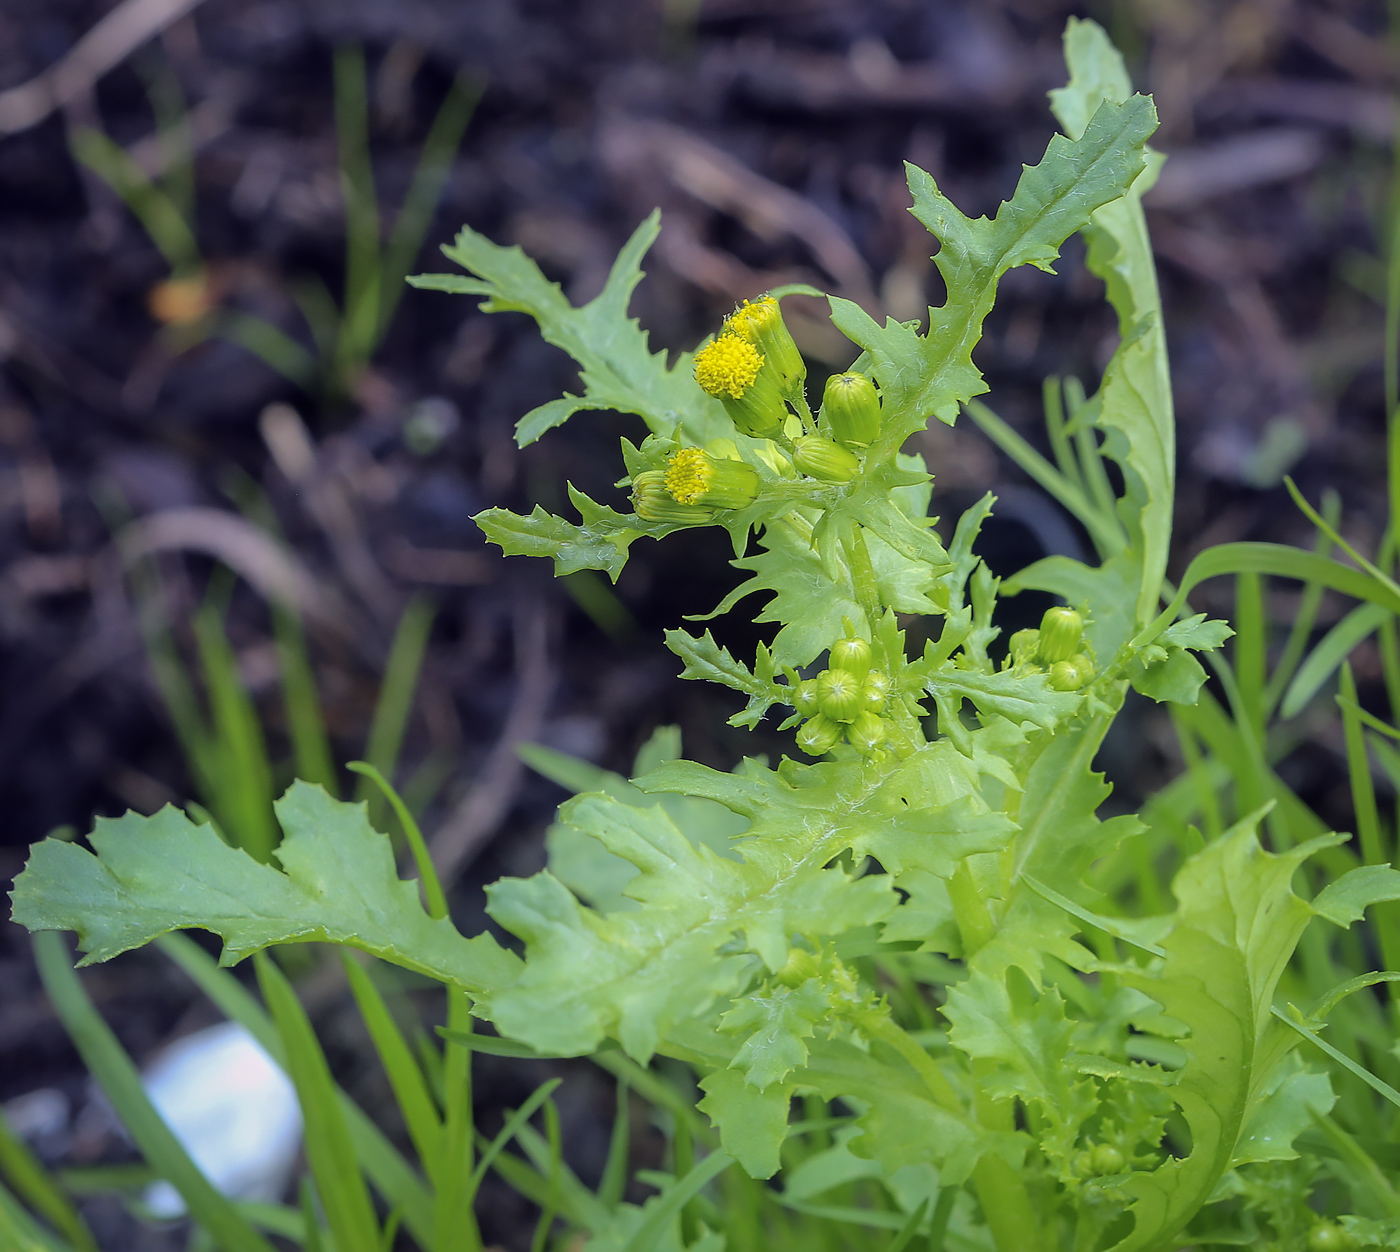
(234, 1111)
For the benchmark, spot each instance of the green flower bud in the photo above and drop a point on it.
(1329, 1237)
(1084, 664)
(1106, 1159)
(851, 655)
(1060, 633)
(876, 690)
(1024, 646)
(731, 370)
(801, 965)
(760, 322)
(851, 409)
(693, 476)
(804, 699)
(1064, 676)
(866, 733)
(820, 458)
(840, 694)
(818, 736)
(653, 503)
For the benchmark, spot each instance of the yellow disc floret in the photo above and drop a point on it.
(693, 476)
(728, 366)
(688, 475)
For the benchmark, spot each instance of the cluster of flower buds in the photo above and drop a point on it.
(845, 699)
(1058, 647)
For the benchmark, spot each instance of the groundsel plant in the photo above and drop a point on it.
(887, 959)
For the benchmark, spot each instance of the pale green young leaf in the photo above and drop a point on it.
(618, 369)
(601, 543)
(705, 659)
(1176, 678)
(1344, 900)
(634, 974)
(1196, 633)
(152, 875)
(1135, 400)
(1235, 929)
(1290, 1099)
(1026, 1038)
(934, 373)
(752, 1122)
(776, 1022)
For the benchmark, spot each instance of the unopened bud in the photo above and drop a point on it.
(840, 694)
(851, 409)
(851, 655)
(822, 459)
(876, 690)
(1060, 632)
(1024, 646)
(804, 697)
(653, 503)
(866, 733)
(819, 735)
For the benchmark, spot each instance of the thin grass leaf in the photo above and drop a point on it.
(391, 1174)
(613, 1183)
(405, 1077)
(673, 1199)
(550, 1207)
(454, 1223)
(311, 747)
(1250, 648)
(360, 316)
(158, 214)
(33, 1183)
(427, 873)
(1363, 789)
(1296, 1024)
(20, 1233)
(421, 200)
(1270, 558)
(1331, 650)
(1103, 528)
(329, 1152)
(395, 702)
(109, 1064)
(911, 1228)
(242, 777)
(270, 344)
(510, 1130)
(1304, 619)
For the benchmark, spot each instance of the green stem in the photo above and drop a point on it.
(862, 571)
(881, 1026)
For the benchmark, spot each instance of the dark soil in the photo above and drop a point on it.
(772, 135)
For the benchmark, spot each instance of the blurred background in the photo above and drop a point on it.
(239, 457)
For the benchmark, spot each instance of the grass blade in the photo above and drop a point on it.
(341, 1186)
(405, 1077)
(421, 200)
(22, 1170)
(427, 873)
(311, 747)
(395, 699)
(1332, 649)
(109, 1064)
(676, 1197)
(242, 778)
(391, 1175)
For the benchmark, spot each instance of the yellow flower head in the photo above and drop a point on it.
(688, 475)
(753, 317)
(693, 476)
(728, 366)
